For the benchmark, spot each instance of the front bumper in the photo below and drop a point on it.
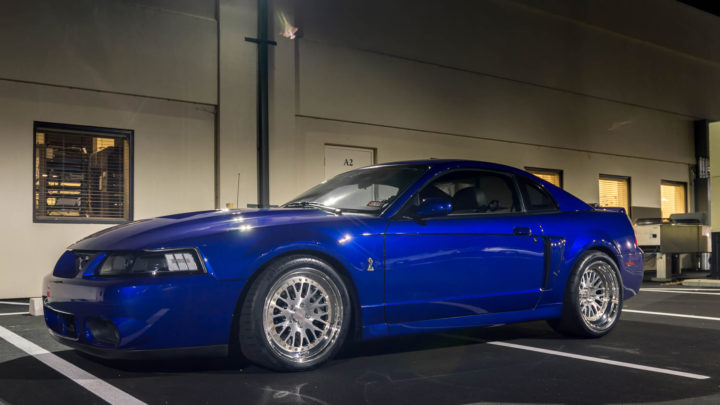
(125, 354)
(140, 314)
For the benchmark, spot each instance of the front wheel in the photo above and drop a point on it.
(593, 298)
(295, 316)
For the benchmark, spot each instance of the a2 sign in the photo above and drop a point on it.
(339, 159)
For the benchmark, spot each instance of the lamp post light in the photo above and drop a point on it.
(263, 155)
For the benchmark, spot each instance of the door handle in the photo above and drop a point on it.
(522, 231)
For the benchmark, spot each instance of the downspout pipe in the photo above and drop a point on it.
(263, 113)
(263, 148)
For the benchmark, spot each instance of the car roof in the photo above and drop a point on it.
(565, 200)
(451, 163)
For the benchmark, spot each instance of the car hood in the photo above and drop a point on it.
(173, 230)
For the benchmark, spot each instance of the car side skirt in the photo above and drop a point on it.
(437, 325)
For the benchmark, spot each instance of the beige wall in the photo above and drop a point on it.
(173, 168)
(237, 154)
(581, 169)
(358, 86)
(150, 47)
(672, 25)
(715, 175)
(576, 86)
(410, 110)
(622, 53)
(151, 66)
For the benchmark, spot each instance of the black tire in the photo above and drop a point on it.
(277, 324)
(582, 316)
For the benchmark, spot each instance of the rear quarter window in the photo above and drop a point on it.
(536, 197)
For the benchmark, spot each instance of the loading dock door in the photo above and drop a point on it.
(340, 159)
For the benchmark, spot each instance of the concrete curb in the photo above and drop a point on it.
(701, 282)
(36, 307)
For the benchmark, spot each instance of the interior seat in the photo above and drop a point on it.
(471, 199)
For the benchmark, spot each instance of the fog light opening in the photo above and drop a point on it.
(102, 331)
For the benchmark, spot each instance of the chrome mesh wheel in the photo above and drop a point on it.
(599, 296)
(302, 315)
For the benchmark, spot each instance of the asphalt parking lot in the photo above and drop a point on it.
(666, 348)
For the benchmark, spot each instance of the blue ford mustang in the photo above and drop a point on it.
(385, 250)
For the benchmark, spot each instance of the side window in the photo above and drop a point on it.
(474, 192)
(536, 198)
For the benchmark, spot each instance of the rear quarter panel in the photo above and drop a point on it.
(579, 231)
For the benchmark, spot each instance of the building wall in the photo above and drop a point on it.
(144, 47)
(498, 80)
(145, 65)
(714, 135)
(173, 170)
(236, 154)
(581, 169)
(655, 53)
(577, 86)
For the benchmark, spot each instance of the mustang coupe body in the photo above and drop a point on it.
(385, 250)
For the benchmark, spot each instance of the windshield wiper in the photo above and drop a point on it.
(312, 204)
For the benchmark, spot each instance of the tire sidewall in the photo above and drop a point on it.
(572, 298)
(254, 306)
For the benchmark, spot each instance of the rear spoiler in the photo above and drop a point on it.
(610, 209)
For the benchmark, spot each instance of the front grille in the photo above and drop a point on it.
(62, 323)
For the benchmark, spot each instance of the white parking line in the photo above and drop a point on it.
(13, 313)
(678, 291)
(681, 289)
(86, 380)
(706, 318)
(586, 358)
(14, 303)
(604, 361)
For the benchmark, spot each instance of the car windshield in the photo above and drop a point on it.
(367, 190)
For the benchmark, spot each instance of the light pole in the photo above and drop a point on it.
(263, 155)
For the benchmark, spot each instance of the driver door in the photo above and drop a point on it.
(484, 257)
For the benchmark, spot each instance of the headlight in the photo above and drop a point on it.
(152, 262)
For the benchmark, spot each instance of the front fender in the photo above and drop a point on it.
(355, 244)
(344, 249)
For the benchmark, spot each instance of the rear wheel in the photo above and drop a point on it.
(593, 298)
(295, 316)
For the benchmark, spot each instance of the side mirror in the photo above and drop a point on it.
(433, 207)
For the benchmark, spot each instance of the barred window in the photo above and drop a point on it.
(673, 197)
(614, 191)
(82, 174)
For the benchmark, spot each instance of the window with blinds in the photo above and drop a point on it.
(614, 191)
(552, 176)
(672, 198)
(82, 174)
